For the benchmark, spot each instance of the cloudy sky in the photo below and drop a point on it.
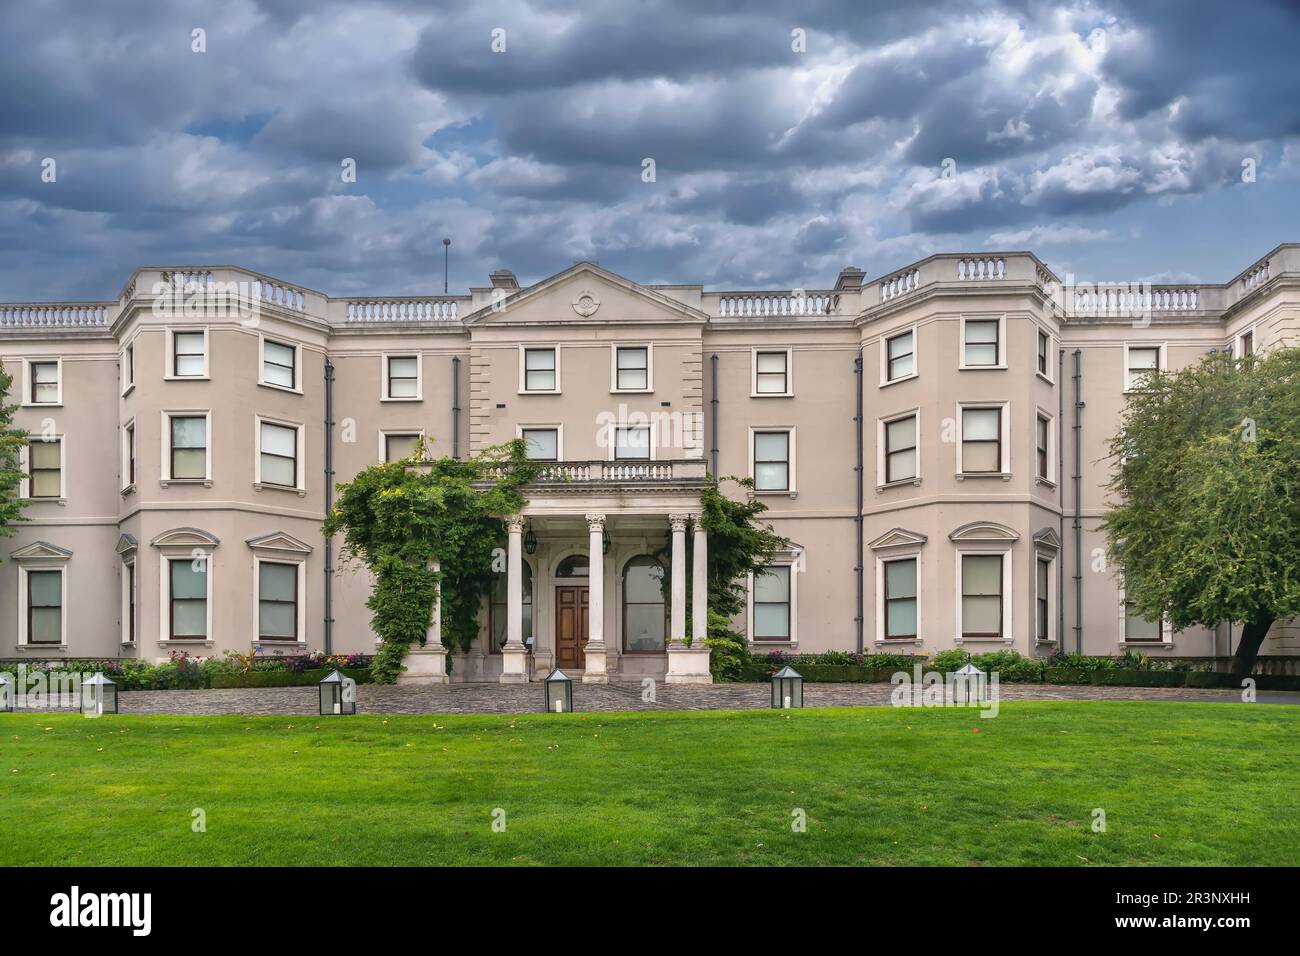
(788, 139)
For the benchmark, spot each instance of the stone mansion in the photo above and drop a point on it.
(932, 442)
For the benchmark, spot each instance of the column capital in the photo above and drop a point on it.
(515, 524)
(697, 522)
(678, 522)
(595, 522)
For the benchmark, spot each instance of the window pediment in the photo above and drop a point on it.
(898, 538)
(1047, 539)
(984, 531)
(126, 544)
(279, 542)
(186, 538)
(41, 551)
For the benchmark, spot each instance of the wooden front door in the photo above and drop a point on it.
(570, 627)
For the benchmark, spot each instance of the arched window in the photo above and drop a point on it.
(574, 566)
(500, 611)
(644, 610)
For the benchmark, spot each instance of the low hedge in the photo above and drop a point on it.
(844, 673)
(1124, 677)
(287, 678)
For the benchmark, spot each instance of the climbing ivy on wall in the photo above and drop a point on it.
(420, 525)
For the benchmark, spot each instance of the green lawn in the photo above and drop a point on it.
(1194, 784)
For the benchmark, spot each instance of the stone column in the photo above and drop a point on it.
(689, 665)
(700, 586)
(514, 655)
(428, 664)
(595, 672)
(677, 616)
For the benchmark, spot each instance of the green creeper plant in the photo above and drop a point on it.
(1206, 472)
(11, 474)
(427, 525)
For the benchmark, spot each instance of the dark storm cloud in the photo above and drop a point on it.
(771, 166)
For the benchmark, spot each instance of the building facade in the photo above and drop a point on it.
(933, 443)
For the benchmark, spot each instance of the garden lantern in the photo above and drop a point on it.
(968, 684)
(8, 693)
(338, 695)
(559, 693)
(787, 688)
(98, 695)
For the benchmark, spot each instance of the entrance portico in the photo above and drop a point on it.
(597, 554)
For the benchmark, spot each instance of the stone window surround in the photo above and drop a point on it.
(1050, 479)
(889, 336)
(169, 355)
(1001, 319)
(167, 415)
(184, 544)
(26, 385)
(792, 558)
(881, 449)
(754, 352)
(791, 489)
(614, 348)
(986, 538)
(279, 548)
(1047, 548)
(386, 433)
(524, 349)
(898, 544)
(262, 339)
(611, 438)
(384, 358)
(41, 556)
(127, 549)
(24, 465)
(1162, 360)
(1004, 451)
(300, 455)
(558, 428)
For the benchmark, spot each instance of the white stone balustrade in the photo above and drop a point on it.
(764, 304)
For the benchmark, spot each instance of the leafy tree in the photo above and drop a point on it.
(399, 518)
(11, 440)
(738, 546)
(1206, 468)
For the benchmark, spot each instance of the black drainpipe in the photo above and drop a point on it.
(455, 406)
(1078, 508)
(860, 619)
(1060, 487)
(713, 412)
(329, 505)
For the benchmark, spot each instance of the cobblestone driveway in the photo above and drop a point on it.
(522, 699)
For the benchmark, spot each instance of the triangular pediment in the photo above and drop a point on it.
(585, 294)
(897, 538)
(126, 543)
(39, 550)
(985, 531)
(186, 538)
(1047, 538)
(279, 541)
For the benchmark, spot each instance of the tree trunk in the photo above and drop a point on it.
(1252, 636)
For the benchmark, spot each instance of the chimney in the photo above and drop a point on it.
(504, 279)
(850, 279)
